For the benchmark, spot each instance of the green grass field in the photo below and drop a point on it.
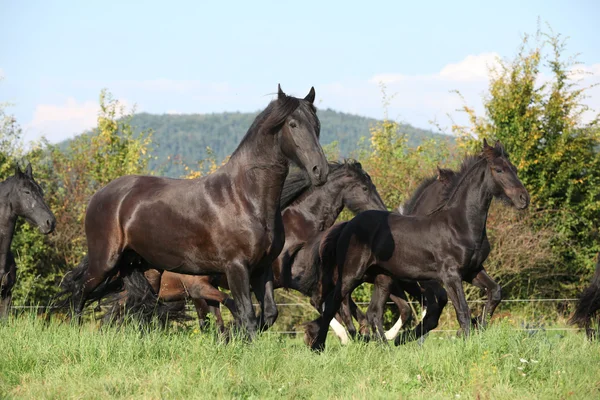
(61, 361)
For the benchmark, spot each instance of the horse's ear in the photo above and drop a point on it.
(485, 144)
(280, 94)
(28, 171)
(310, 97)
(489, 152)
(18, 171)
(444, 175)
(499, 147)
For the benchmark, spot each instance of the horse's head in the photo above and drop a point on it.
(27, 201)
(299, 137)
(505, 182)
(359, 192)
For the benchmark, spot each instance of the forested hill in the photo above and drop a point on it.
(187, 136)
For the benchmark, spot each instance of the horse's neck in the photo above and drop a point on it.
(427, 201)
(323, 204)
(259, 176)
(473, 198)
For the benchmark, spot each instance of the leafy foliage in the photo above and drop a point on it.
(70, 177)
(539, 119)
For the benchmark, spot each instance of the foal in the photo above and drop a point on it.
(441, 246)
(20, 196)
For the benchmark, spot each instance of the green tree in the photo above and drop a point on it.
(70, 177)
(539, 119)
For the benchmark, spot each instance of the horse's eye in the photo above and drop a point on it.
(499, 170)
(365, 188)
(27, 192)
(293, 124)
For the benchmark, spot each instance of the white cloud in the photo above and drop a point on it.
(473, 68)
(60, 121)
(421, 98)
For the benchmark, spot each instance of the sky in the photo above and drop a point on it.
(203, 57)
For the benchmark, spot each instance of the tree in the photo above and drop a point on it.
(70, 177)
(539, 119)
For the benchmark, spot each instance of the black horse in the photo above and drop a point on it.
(428, 196)
(442, 246)
(228, 222)
(20, 196)
(588, 305)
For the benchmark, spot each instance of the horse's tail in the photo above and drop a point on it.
(325, 255)
(143, 303)
(327, 250)
(71, 285)
(589, 302)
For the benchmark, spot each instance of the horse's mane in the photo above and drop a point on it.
(298, 183)
(449, 190)
(294, 186)
(466, 165)
(271, 118)
(409, 206)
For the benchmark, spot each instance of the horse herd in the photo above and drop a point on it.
(252, 226)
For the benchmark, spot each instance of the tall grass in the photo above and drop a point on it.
(58, 360)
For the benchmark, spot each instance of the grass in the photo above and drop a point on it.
(58, 360)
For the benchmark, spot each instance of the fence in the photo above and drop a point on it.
(528, 323)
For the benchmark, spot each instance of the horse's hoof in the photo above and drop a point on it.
(311, 331)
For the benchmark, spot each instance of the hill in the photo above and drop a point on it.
(185, 137)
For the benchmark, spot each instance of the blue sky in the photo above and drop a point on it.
(196, 56)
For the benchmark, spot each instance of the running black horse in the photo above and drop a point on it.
(228, 222)
(589, 305)
(428, 196)
(20, 196)
(441, 246)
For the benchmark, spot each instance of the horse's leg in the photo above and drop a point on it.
(405, 315)
(202, 310)
(494, 296)
(436, 298)
(102, 263)
(453, 282)
(215, 309)
(339, 329)
(346, 316)
(381, 291)
(363, 324)
(238, 277)
(201, 290)
(264, 290)
(332, 304)
(7, 282)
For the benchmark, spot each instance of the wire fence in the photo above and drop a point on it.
(533, 325)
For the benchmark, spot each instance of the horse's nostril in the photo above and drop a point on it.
(48, 223)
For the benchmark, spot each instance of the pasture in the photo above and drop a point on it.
(59, 360)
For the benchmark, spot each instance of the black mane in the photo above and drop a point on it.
(409, 206)
(467, 163)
